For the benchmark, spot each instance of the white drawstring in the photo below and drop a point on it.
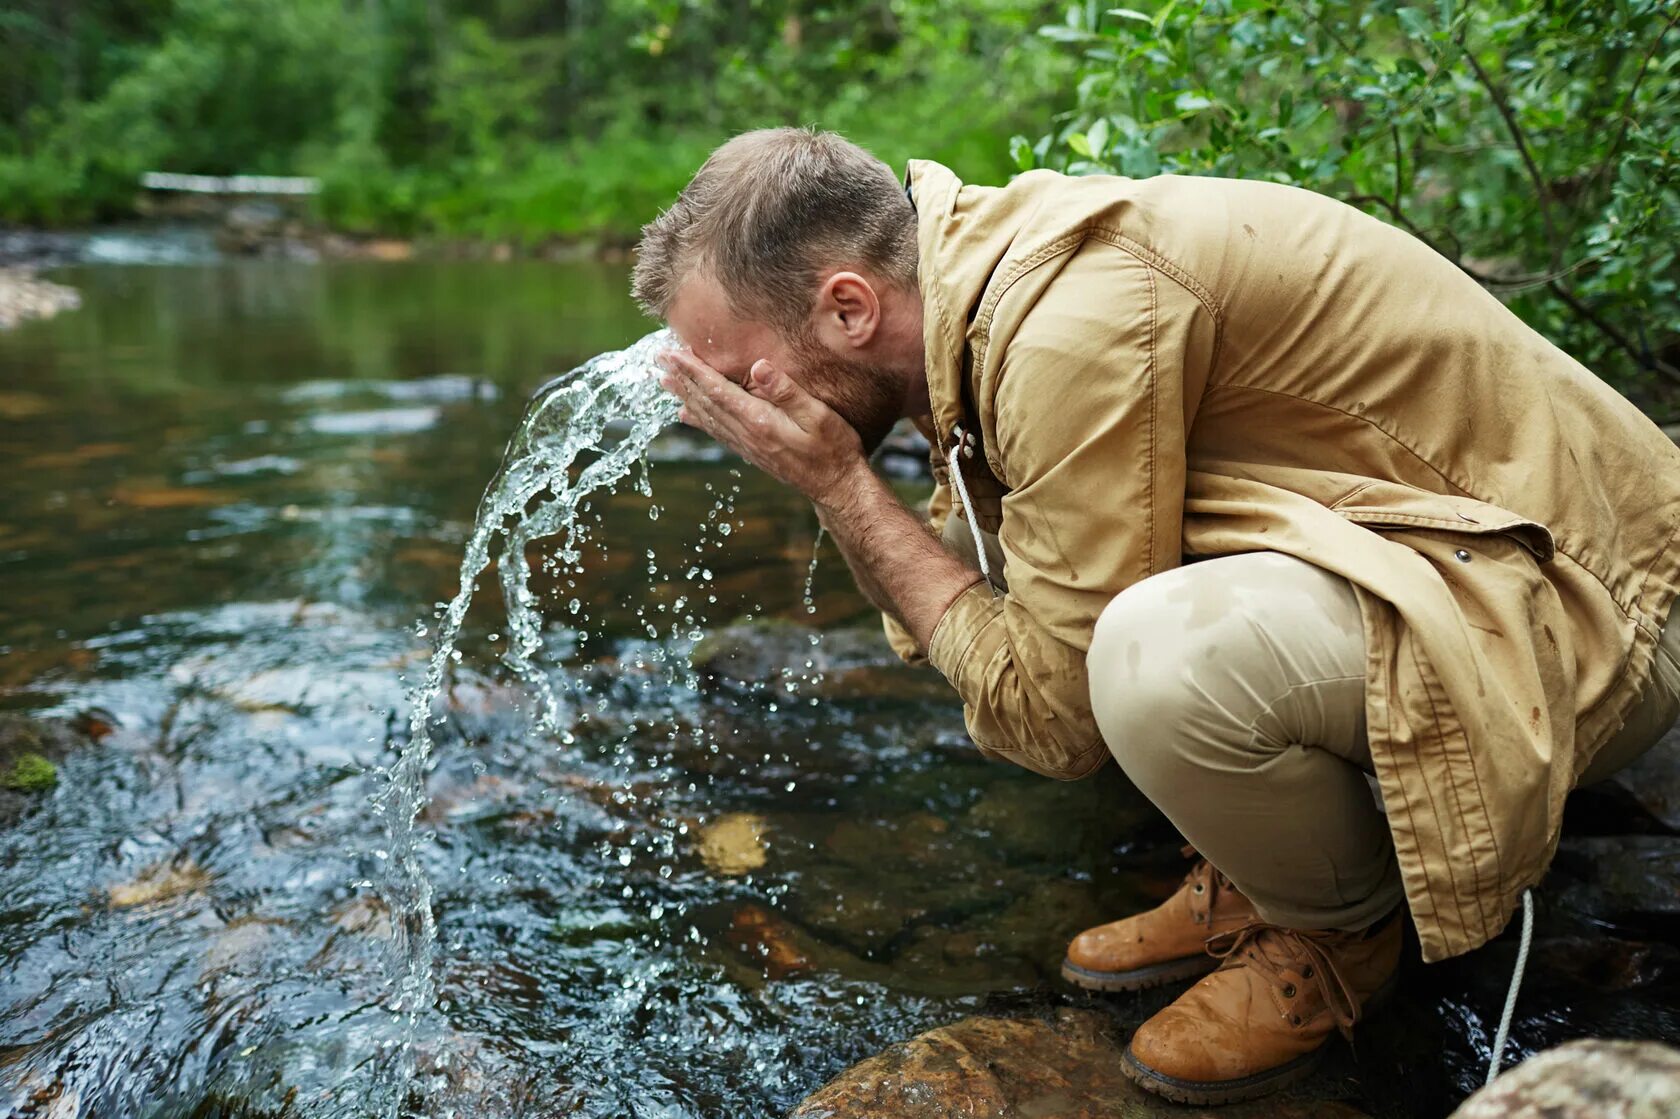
(1504, 1033)
(968, 515)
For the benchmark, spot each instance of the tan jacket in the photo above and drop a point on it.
(1154, 368)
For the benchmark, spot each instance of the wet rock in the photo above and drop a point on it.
(160, 882)
(1066, 1066)
(23, 295)
(30, 773)
(734, 844)
(250, 227)
(364, 915)
(1628, 881)
(752, 652)
(769, 942)
(834, 662)
(1584, 1080)
(30, 750)
(1653, 781)
(1062, 822)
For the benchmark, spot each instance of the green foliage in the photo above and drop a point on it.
(1537, 145)
(509, 119)
(31, 773)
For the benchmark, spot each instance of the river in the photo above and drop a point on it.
(232, 494)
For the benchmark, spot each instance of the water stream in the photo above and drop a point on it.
(607, 411)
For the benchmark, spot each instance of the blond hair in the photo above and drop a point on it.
(766, 214)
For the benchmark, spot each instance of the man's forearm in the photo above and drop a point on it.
(897, 563)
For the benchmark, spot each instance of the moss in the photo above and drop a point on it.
(31, 773)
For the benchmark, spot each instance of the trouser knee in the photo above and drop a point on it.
(1146, 652)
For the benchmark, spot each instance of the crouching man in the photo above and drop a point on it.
(1353, 573)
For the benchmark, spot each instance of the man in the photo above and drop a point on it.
(1353, 573)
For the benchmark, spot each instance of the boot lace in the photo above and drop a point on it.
(1290, 958)
(1206, 884)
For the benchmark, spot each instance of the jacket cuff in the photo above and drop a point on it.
(967, 636)
(901, 641)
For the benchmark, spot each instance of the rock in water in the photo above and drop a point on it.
(1653, 780)
(998, 1068)
(1585, 1080)
(23, 295)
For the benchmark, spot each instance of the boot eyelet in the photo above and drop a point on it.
(1289, 991)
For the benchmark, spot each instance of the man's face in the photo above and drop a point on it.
(865, 395)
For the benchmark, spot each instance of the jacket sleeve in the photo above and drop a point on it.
(1088, 430)
(938, 509)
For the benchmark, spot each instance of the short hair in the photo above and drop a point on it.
(766, 213)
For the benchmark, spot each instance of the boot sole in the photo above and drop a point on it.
(1211, 1092)
(1141, 978)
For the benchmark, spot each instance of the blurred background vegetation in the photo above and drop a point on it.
(1536, 144)
(507, 119)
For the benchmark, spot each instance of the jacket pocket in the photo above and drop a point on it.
(1393, 505)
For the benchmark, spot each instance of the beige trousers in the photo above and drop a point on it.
(1232, 693)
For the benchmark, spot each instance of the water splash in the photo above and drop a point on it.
(581, 433)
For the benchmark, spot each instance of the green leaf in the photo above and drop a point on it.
(1414, 23)
(1097, 137)
(1130, 13)
(1079, 144)
(1021, 152)
(1188, 102)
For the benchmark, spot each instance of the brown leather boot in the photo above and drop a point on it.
(1168, 942)
(1262, 1020)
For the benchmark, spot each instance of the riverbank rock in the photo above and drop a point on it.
(23, 295)
(1066, 1066)
(1585, 1080)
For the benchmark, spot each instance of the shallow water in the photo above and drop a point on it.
(229, 490)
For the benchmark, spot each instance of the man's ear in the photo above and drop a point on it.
(848, 311)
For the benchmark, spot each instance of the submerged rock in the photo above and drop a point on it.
(31, 773)
(1585, 1080)
(23, 296)
(30, 750)
(1067, 1066)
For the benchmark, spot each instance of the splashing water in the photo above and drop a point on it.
(611, 408)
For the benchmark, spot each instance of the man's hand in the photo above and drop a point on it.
(771, 422)
(794, 437)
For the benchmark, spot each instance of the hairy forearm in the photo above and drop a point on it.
(897, 562)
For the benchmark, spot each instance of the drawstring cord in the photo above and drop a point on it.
(1504, 1034)
(968, 515)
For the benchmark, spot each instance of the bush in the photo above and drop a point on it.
(1536, 145)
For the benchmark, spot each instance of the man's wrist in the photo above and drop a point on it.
(849, 486)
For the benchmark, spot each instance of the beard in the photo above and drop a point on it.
(870, 397)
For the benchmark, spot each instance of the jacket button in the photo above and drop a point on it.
(1462, 556)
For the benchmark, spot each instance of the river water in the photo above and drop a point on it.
(233, 497)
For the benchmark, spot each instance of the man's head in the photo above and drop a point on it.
(798, 247)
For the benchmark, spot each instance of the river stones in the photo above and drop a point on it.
(23, 295)
(1585, 1080)
(1065, 1066)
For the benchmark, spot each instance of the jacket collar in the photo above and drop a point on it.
(962, 233)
